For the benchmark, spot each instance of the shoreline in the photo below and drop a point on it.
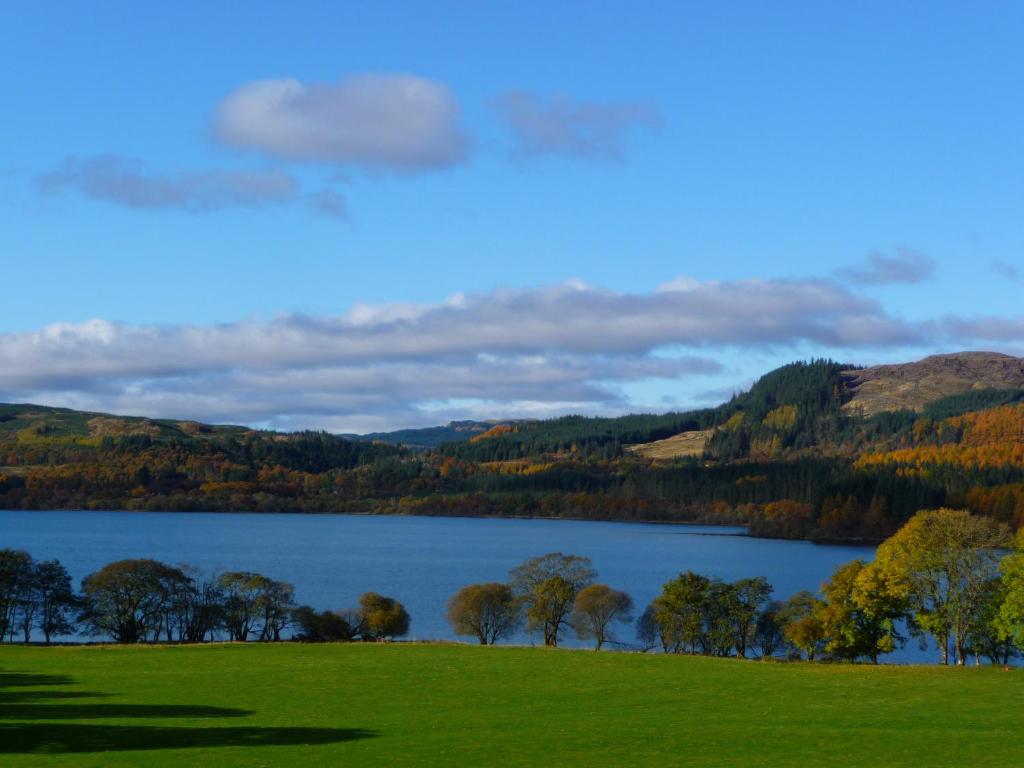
(859, 542)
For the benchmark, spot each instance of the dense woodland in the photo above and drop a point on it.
(784, 458)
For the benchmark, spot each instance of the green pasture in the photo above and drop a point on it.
(450, 705)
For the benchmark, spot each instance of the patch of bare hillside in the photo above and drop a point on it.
(675, 447)
(111, 426)
(913, 385)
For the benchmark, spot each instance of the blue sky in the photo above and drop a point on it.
(367, 259)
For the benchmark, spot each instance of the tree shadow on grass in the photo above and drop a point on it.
(18, 736)
(61, 738)
(115, 711)
(8, 698)
(32, 680)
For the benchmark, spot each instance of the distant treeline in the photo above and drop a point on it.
(784, 458)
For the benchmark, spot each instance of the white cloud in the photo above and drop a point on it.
(376, 121)
(682, 283)
(568, 347)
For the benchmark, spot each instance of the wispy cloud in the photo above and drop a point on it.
(329, 203)
(126, 182)
(377, 121)
(563, 126)
(907, 266)
(1006, 270)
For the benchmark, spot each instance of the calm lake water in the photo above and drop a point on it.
(332, 559)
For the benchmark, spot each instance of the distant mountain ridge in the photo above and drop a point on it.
(425, 438)
(865, 392)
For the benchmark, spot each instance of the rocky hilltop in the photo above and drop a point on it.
(912, 386)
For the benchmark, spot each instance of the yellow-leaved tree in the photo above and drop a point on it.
(942, 565)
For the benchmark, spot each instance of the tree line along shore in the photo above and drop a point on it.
(946, 576)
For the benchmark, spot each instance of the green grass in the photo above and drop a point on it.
(437, 705)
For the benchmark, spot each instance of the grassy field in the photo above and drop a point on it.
(332, 705)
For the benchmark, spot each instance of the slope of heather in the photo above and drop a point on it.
(424, 438)
(678, 446)
(912, 386)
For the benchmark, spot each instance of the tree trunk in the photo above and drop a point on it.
(961, 654)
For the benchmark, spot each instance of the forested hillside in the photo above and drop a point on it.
(426, 438)
(790, 458)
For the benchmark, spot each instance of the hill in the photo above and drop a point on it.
(40, 436)
(431, 437)
(25, 422)
(450, 705)
(789, 457)
(912, 386)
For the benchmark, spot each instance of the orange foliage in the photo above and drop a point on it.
(983, 440)
(1003, 502)
(495, 431)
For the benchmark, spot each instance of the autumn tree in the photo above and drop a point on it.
(748, 598)
(648, 632)
(803, 627)
(54, 599)
(860, 617)
(986, 638)
(16, 568)
(382, 617)
(548, 586)
(197, 609)
(940, 564)
(1009, 618)
(487, 612)
(275, 604)
(128, 599)
(242, 594)
(768, 637)
(679, 612)
(594, 610)
(321, 626)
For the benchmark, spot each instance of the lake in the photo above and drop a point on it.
(421, 561)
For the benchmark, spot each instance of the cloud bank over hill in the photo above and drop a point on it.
(570, 347)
